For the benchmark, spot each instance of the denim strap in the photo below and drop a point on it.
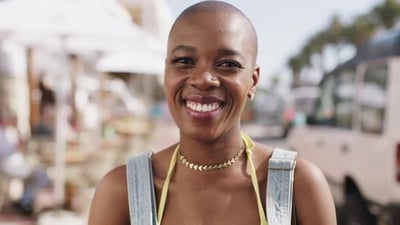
(280, 186)
(142, 204)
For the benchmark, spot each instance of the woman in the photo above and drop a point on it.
(210, 73)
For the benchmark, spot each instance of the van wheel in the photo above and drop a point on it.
(356, 211)
(389, 216)
(384, 219)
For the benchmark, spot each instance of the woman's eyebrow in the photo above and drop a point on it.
(221, 52)
(229, 52)
(184, 48)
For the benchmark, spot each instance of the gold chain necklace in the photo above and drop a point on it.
(213, 167)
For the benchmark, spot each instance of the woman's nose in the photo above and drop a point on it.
(204, 80)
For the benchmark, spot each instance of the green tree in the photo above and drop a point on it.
(388, 13)
(314, 48)
(360, 31)
(338, 34)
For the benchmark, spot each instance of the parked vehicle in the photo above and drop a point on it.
(353, 133)
(303, 99)
(300, 103)
(269, 108)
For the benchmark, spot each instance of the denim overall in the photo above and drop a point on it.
(142, 202)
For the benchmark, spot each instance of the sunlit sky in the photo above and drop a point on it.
(283, 26)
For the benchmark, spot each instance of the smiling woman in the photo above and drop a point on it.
(214, 174)
(224, 79)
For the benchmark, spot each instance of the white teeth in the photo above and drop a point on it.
(202, 107)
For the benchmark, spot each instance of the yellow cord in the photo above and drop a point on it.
(165, 188)
(249, 144)
(249, 147)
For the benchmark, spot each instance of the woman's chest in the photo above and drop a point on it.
(212, 205)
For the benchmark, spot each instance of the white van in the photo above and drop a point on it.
(353, 134)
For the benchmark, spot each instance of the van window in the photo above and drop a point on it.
(325, 109)
(373, 100)
(336, 103)
(344, 98)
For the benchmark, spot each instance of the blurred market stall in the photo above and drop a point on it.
(95, 30)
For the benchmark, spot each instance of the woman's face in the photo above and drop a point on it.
(210, 71)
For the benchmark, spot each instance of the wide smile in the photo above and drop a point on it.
(202, 107)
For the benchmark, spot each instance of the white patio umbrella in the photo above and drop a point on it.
(147, 63)
(75, 25)
(35, 22)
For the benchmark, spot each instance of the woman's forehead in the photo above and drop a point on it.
(212, 19)
(222, 28)
(214, 25)
(213, 36)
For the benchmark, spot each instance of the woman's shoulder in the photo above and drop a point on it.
(304, 168)
(313, 198)
(307, 173)
(110, 202)
(113, 186)
(113, 182)
(117, 174)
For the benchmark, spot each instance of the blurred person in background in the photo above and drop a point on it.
(210, 73)
(13, 163)
(11, 145)
(45, 127)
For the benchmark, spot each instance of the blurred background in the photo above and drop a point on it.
(81, 90)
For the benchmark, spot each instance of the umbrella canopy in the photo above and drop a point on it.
(149, 63)
(74, 23)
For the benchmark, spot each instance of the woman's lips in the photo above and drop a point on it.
(203, 107)
(203, 98)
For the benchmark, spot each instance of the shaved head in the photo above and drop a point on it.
(223, 8)
(211, 61)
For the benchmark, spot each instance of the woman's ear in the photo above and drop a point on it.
(255, 78)
(256, 75)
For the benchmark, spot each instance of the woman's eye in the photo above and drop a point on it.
(183, 61)
(230, 65)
